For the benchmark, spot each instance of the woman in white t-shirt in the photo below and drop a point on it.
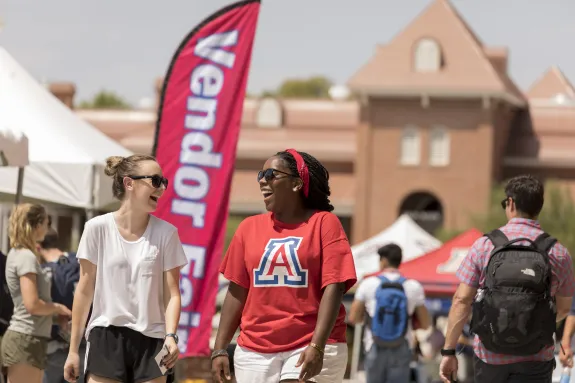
(130, 265)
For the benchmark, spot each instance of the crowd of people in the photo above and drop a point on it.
(127, 270)
(104, 313)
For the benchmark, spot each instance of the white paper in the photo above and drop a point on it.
(163, 352)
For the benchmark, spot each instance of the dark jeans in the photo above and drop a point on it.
(532, 372)
(54, 372)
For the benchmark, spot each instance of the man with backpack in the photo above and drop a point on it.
(390, 301)
(65, 271)
(518, 282)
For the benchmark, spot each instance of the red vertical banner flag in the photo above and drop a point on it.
(197, 133)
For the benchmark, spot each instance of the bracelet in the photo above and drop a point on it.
(218, 353)
(316, 347)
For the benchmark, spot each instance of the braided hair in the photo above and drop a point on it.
(318, 195)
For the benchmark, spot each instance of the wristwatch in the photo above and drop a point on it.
(447, 352)
(176, 339)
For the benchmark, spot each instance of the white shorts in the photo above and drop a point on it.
(253, 367)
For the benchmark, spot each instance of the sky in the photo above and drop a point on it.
(124, 45)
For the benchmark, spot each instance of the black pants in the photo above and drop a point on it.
(530, 372)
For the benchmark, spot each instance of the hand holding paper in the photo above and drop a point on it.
(160, 359)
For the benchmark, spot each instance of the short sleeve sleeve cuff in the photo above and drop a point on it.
(26, 263)
(88, 247)
(174, 253)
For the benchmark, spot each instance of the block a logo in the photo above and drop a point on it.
(280, 265)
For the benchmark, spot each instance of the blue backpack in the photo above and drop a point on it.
(391, 318)
(65, 276)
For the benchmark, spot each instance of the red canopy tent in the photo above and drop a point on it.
(436, 269)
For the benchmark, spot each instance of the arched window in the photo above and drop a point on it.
(269, 114)
(427, 56)
(410, 146)
(439, 146)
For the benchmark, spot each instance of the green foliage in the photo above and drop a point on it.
(231, 227)
(445, 235)
(557, 217)
(495, 215)
(316, 87)
(269, 93)
(106, 100)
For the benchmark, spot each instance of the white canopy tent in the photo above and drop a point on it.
(413, 240)
(67, 155)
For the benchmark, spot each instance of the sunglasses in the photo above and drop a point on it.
(504, 203)
(157, 180)
(270, 174)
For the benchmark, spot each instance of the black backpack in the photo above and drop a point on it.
(514, 312)
(6, 304)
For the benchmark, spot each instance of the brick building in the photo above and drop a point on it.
(437, 123)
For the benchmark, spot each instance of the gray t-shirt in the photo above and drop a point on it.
(19, 263)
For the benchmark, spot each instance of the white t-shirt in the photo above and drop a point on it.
(366, 293)
(129, 278)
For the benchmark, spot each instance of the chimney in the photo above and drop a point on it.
(158, 88)
(64, 91)
(498, 56)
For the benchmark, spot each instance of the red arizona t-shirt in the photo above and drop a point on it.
(285, 267)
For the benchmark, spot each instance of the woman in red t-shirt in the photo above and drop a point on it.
(288, 270)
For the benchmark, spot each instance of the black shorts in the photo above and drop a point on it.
(122, 354)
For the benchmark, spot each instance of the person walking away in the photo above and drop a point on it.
(130, 265)
(64, 270)
(386, 302)
(519, 281)
(24, 343)
(288, 271)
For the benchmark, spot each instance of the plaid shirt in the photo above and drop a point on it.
(472, 273)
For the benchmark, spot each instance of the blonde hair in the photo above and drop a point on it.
(119, 167)
(23, 220)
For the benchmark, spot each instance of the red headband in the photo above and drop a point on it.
(302, 170)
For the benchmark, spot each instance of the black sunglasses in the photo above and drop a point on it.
(504, 203)
(270, 174)
(157, 180)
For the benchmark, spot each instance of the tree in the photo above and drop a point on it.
(313, 87)
(231, 227)
(557, 217)
(106, 100)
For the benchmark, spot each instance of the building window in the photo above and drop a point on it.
(410, 146)
(439, 146)
(427, 56)
(269, 114)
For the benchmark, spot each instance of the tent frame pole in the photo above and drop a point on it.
(91, 211)
(19, 186)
